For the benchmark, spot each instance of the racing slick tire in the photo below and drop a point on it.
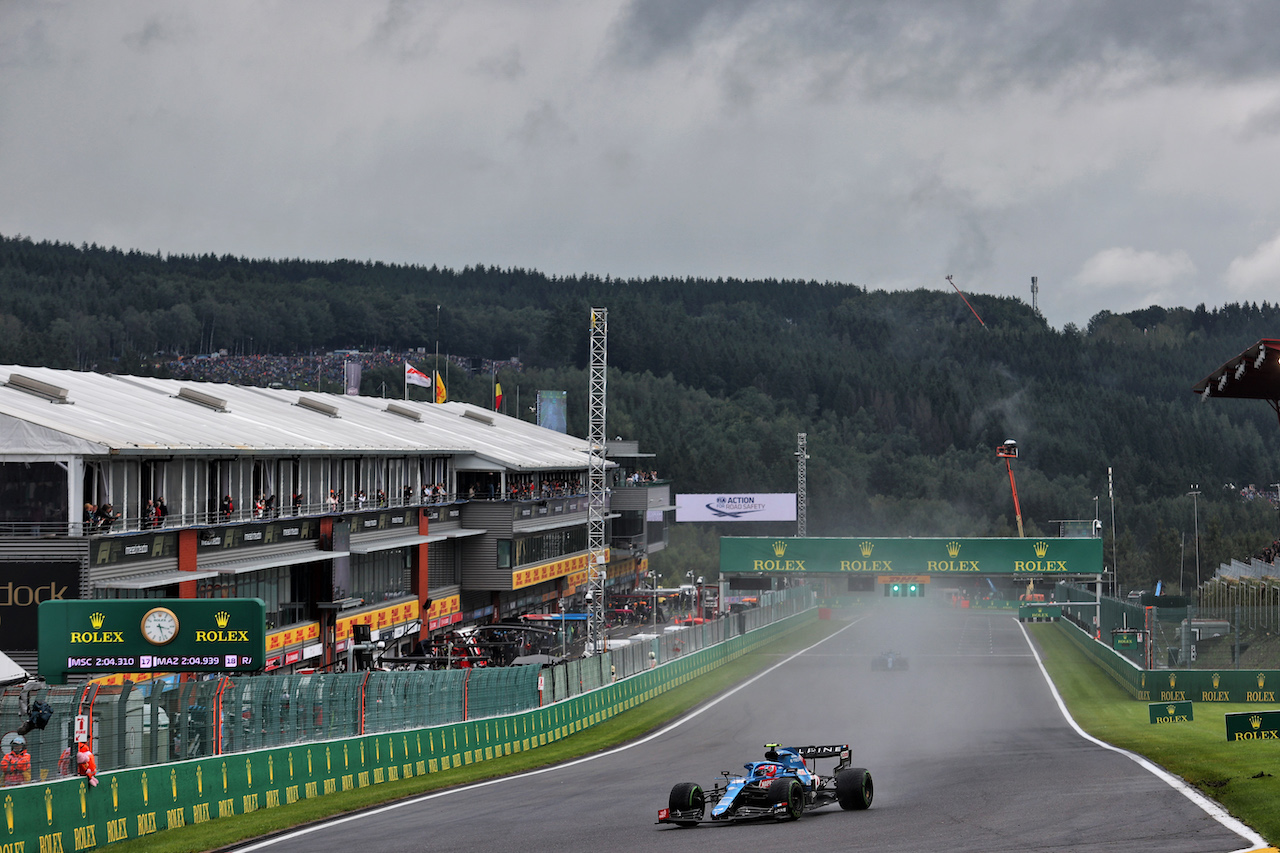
(789, 792)
(686, 797)
(854, 789)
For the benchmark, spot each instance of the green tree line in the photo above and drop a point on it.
(903, 395)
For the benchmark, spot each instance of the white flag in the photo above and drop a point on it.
(413, 376)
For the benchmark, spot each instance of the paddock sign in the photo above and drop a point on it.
(23, 588)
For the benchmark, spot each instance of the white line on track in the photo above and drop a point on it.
(1210, 808)
(318, 827)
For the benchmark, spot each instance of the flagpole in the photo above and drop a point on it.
(437, 376)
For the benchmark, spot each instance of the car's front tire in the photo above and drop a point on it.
(687, 797)
(789, 792)
(854, 788)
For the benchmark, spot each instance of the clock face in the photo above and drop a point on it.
(159, 626)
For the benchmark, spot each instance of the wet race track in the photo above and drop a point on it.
(968, 749)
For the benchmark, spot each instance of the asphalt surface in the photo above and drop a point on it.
(967, 748)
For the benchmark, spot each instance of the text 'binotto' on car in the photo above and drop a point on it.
(781, 787)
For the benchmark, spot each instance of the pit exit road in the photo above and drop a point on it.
(968, 749)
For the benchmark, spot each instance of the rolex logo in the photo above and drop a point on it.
(222, 617)
(1173, 680)
(1041, 548)
(1217, 679)
(1256, 721)
(1169, 709)
(96, 619)
(866, 548)
(953, 548)
(1262, 680)
(779, 548)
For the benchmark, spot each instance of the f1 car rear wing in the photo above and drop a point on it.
(807, 752)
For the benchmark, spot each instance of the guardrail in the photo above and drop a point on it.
(164, 720)
(66, 814)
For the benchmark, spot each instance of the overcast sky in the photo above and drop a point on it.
(1127, 153)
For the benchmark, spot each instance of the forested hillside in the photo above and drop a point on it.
(904, 396)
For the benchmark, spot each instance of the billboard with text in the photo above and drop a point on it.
(754, 507)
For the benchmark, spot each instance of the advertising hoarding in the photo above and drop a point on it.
(876, 556)
(769, 506)
(23, 587)
(152, 634)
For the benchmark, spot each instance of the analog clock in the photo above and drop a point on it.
(159, 626)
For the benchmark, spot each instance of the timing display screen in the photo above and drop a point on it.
(152, 635)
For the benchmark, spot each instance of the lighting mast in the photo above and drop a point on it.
(597, 636)
(802, 485)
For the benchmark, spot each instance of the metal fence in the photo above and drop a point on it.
(1234, 627)
(156, 722)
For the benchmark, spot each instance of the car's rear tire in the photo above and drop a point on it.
(790, 793)
(686, 797)
(854, 789)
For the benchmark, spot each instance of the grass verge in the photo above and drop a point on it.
(621, 728)
(1243, 777)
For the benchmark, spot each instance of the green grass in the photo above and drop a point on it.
(1243, 777)
(623, 727)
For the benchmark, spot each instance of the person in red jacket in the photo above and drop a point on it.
(85, 764)
(16, 766)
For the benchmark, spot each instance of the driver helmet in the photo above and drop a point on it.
(766, 771)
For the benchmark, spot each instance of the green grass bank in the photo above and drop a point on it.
(1243, 777)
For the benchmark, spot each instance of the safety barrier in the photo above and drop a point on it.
(65, 814)
(1176, 685)
(136, 725)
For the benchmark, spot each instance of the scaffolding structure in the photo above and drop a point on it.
(802, 484)
(597, 394)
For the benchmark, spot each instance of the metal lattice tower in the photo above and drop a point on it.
(802, 484)
(597, 396)
(1035, 294)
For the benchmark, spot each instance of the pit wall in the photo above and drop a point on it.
(1176, 685)
(68, 815)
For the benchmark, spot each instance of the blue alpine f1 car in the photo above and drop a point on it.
(781, 786)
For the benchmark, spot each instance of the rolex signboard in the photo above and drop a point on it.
(948, 557)
(1170, 712)
(151, 635)
(1253, 725)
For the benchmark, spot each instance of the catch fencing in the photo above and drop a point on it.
(138, 725)
(1234, 627)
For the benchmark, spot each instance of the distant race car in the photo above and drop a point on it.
(889, 660)
(781, 787)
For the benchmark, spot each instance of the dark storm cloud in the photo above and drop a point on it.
(940, 49)
(1120, 151)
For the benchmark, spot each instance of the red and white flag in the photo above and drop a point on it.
(414, 376)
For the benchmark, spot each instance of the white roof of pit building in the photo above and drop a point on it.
(136, 415)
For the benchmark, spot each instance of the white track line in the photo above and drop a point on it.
(1211, 808)
(317, 827)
